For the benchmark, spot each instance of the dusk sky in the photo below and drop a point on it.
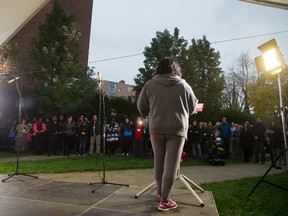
(125, 27)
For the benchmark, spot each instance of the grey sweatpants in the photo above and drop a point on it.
(167, 153)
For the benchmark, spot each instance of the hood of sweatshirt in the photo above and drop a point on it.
(167, 80)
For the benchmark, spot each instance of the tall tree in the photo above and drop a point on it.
(203, 72)
(239, 77)
(8, 62)
(62, 82)
(264, 95)
(8, 70)
(164, 44)
(121, 108)
(230, 96)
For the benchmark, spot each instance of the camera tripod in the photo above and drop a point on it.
(17, 171)
(185, 180)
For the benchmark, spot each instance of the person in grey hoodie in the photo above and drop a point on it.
(168, 101)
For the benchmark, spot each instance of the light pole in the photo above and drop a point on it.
(271, 61)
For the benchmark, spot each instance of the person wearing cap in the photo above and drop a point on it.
(168, 101)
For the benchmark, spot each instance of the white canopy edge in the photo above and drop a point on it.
(14, 14)
(281, 4)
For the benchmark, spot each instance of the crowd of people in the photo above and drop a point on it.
(245, 141)
(60, 135)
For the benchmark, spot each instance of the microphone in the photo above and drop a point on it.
(12, 80)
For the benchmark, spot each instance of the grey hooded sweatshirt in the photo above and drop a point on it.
(168, 102)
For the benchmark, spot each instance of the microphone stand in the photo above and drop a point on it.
(17, 171)
(103, 179)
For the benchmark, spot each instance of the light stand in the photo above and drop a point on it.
(17, 171)
(273, 61)
(102, 99)
(185, 180)
(282, 109)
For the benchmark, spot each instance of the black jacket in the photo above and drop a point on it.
(53, 128)
(94, 126)
(246, 136)
(276, 136)
(83, 128)
(259, 131)
(69, 129)
(194, 134)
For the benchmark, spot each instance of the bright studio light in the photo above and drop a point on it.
(271, 60)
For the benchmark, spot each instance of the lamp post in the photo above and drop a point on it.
(271, 61)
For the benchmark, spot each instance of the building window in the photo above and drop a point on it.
(130, 89)
(112, 94)
(119, 90)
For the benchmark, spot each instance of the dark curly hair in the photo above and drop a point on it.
(168, 66)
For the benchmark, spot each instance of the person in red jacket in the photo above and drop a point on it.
(138, 134)
(39, 129)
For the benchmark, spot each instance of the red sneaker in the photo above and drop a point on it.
(166, 206)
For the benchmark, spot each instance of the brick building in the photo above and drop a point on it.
(83, 13)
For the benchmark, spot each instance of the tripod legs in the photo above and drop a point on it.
(185, 180)
(17, 174)
(152, 185)
(262, 179)
(103, 180)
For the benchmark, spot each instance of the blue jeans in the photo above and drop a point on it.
(82, 146)
(196, 149)
(145, 147)
(259, 148)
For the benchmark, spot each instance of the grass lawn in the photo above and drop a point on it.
(82, 164)
(231, 196)
(88, 163)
